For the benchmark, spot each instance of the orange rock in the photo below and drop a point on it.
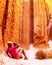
(40, 24)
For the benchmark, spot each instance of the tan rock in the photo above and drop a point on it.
(40, 24)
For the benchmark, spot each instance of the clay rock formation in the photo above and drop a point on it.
(23, 22)
(40, 24)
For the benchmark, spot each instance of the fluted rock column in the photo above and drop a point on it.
(25, 23)
(16, 26)
(11, 33)
(40, 24)
(2, 9)
(8, 32)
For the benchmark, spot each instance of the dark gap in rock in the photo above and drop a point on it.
(31, 21)
(4, 19)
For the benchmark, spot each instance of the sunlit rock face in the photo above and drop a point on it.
(49, 2)
(2, 9)
(40, 24)
(23, 22)
(16, 22)
(12, 24)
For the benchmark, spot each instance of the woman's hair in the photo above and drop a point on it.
(10, 43)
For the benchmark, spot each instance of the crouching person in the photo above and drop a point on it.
(40, 55)
(46, 54)
(12, 52)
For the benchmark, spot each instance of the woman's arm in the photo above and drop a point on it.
(16, 45)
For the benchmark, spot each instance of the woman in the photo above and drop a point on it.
(12, 52)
